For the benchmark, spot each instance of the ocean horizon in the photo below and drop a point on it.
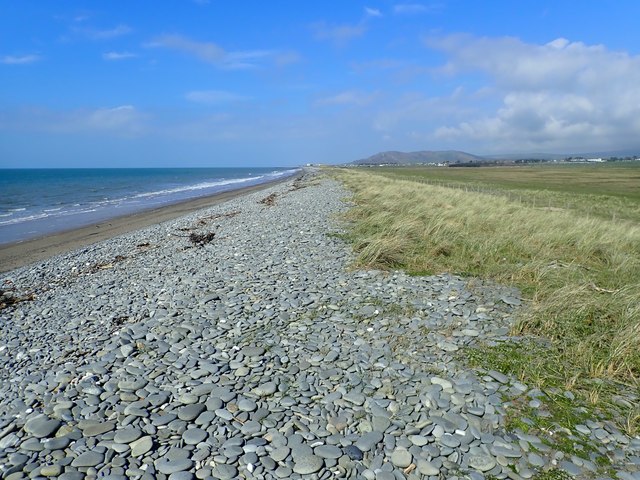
(39, 202)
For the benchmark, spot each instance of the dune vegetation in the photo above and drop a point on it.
(579, 272)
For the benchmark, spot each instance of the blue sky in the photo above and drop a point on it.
(215, 83)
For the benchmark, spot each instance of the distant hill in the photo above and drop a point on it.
(562, 156)
(425, 156)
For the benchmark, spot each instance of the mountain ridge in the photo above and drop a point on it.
(393, 157)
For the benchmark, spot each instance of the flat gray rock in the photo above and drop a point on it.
(141, 446)
(98, 429)
(280, 453)
(42, 426)
(307, 464)
(481, 462)
(88, 459)
(191, 411)
(265, 389)
(401, 458)
(225, 472)
(193, 436)
(427, 468)
(171, 466)
(127, 435)
(368, 441)
(328, 451)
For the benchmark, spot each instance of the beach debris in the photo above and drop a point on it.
(297, 185)
(201, 239)
(269, 200)
(106, 265)
(118, 322)
(205, 220)
(9, 295)
(143, 245)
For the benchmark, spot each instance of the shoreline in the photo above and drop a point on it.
(19, 254)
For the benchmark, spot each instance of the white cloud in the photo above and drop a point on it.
(117, 118)
(118, 55)
(342, 34)
(123, 120)
(410, 8)
(214, 97)
(560, 95)
(19, 59)
(210, 52)
(97, 34)
(206, 51)
(338, 34)
(372, 12)
(350, 97)
(241, 60)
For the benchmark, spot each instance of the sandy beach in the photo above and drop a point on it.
(14, 255)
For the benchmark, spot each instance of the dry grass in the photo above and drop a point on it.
(610, 190)
(581, 274)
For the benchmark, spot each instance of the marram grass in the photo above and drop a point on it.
(581, 274)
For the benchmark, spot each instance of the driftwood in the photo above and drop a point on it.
(201, 239)
(105, 265)
(9, 295)
(269, 200)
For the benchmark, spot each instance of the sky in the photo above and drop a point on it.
(213, 83)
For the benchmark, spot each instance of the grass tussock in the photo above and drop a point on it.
(581, 274)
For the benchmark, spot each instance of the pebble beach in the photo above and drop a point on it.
(260, 353)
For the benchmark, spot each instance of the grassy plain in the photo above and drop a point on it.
(610, 190)
(580, 271)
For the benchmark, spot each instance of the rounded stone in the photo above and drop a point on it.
(307, 464)
(193, 436)
(280, 453)
(265, 389)
(327, 451)
(127, 435)
(401, 458)
(51, 470)
(190, 412)
(181, 476)
(42, 426)
(353, 452)
(170, 466)
(141, 446)
(98, 429)
(88, 459)
(418, 440)
(427, 468)
(247, 405)
(482, 463)
(224, 471)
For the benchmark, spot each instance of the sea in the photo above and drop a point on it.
(38, 202)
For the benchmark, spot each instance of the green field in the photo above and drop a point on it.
(568, 236)
(609, 190)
